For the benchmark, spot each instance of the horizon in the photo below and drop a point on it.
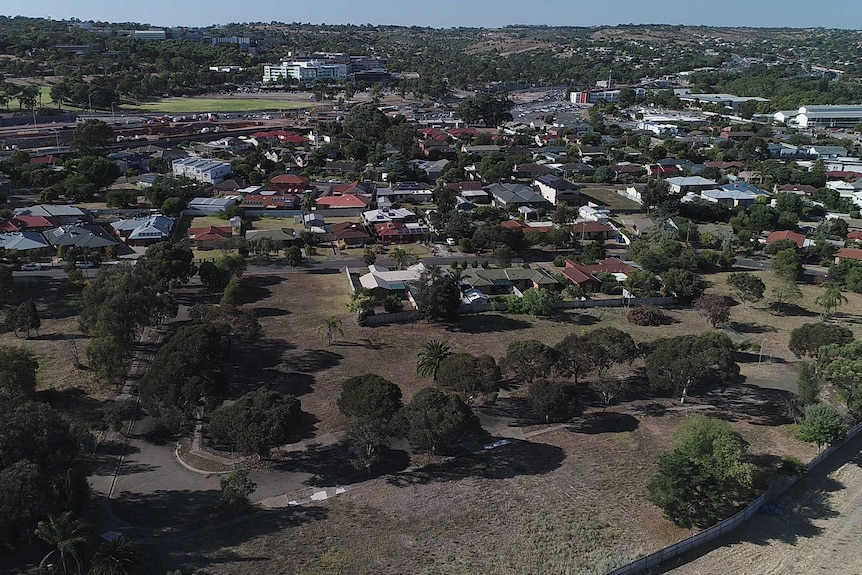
(796, 14)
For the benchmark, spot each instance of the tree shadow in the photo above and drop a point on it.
(312, 360)
(487, 322)
(164, 512)
(511, 460)
(752, 328)
(330, 465)
(323, 271)
(576, 318)
(215, 546)
(751, 357)
(508, 412)
(270, 312)
(605, 422)
(756, 405)
(58, 336)
(73, 400)
(793, 309)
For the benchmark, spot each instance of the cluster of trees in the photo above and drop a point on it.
(122, 299)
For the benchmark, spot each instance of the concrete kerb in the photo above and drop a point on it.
(195, 469)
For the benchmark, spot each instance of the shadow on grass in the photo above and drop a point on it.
(331, 465)
(270, 312)
(575, 317)
(752, 328)
(323, 271)
(756, 405)
(256, 288)
(605, 422)
(312, 360)
(511, 460)
(488, 322)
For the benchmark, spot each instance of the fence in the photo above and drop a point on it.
(726, 526)
(385, 318)
(577, 304)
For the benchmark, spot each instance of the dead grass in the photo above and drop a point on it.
(609, 197)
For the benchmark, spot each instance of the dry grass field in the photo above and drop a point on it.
(568, 501)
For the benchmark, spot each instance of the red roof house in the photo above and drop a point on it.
(795, 237)
(351, 233)
(855, 235)
(591, 230)
(341, 202)
(209, 237)
(289, 183)
(848, 254)
(29, 223)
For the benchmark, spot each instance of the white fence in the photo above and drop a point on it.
(726, 526)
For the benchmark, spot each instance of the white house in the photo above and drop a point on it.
(384, 215)
(684, 184)
(557, 190)
(201, 169)
(144, 231)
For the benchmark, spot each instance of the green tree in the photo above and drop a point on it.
(167, 265)
(684, 285)
(173, 206)
(485, 109)
(437, 296)
(786, 265)
(368, 256)
(830, 299)
(293, 256)
(329, 328)
(746, 286)
(539, 302)
(18, 368)
(91, 137)
(705, 477)
(401, 258)
(468, 374)
(807, 383)
(593, 251)
(503, 255)
(808, 338)
(611, 346)
(434, 421)
(682, 364)
(551, 400)
(236, 488)
(366, 123)
(786, 292)
(575, 356)
(821, 425)
(256, 422)
(529, 360)
(66, 535)
(371, 399)
(430, 356)
(365, 440)
(116, 557)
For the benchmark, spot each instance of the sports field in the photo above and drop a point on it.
(190, 105)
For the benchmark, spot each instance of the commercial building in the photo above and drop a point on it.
(828, 116)
(593, 96)
(304, 71)
(201, 169)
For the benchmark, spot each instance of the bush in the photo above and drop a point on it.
(647, 315)
(791, 467)
(393, 304)
(465, 245)
(559, 262)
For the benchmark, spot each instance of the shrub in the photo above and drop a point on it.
(647, 315)
(559, 262)
(393, 304)
(465, 245)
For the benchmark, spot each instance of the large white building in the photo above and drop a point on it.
(305, 71)
(829, 116)
(201, 169)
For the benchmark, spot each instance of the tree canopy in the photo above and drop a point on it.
(434, 421)
(256, 422)
(370, 398)
(685, 363)
(485, 109)
(467, 374)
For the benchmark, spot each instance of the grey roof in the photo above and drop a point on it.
(80, 236)
(154, 226)
(509, 193)
(558, 184)
(691, 181)
(23, 241)
(50, 210)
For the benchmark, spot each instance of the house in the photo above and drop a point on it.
(855, 235)
(798, 189)
(480, 151)
(281, 238)
(575, 169)
(201, 169)
(684, 184)
(414, 192)
(725, 197)
(210, 237)
(541, 227)
(530, 171)
(341, 167)
(29, 223)
(854, 254)
(126, 161)
(638, 226)
(388, 215)
(400, 233)
(627, 169)
(380, 281)
(557, 190)
(506, 280)
(508, 195)
(83, 236)
(794, 237)
(633, 192)
(433, 170)
(351, 234)
(342, 202)
(24, 242)
(64, 213)
(276, 137)
(585, 276)
(355, 187)
(724, 167)
(825, 152)
(211, 205)
(591, 230)
(595, 214)
(289, 183)
(144, 231)
(271, 200)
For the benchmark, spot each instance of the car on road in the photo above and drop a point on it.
(84, 265)
(451, 242)
(31, 267)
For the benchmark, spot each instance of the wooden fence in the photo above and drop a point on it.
(726, 526)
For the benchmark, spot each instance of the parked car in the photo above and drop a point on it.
(31, 267)
(84, 265)
(451, 242)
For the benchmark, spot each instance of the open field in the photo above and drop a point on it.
(213, 104)
(567, 501)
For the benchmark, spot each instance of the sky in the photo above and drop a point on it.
(451, 13)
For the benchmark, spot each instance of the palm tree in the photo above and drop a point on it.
(432, 354)
(117, 557)
(401, 258)
(65, 534)
(830, 299)
(330, 326)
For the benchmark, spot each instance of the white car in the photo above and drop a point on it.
(84, 265)
(31, 267)
(451, 242)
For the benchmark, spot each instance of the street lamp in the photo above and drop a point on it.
(112, 110)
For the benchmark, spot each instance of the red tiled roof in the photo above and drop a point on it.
(351, 188)
(397, 229)
(855, 235)
(282, 135)
(796, 238)
(270, 201)
(724, 165)
(47, 160)
(290, 180)
(345, 201)
(210, 233)
(458, 132)
(804, 188)
(843, 175)
(434, 134)
(607, 265)
(461, 186)
(850, 254)
(21, 223)
(344, 230)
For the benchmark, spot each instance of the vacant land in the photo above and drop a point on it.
(608, 196)
(568, 501)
